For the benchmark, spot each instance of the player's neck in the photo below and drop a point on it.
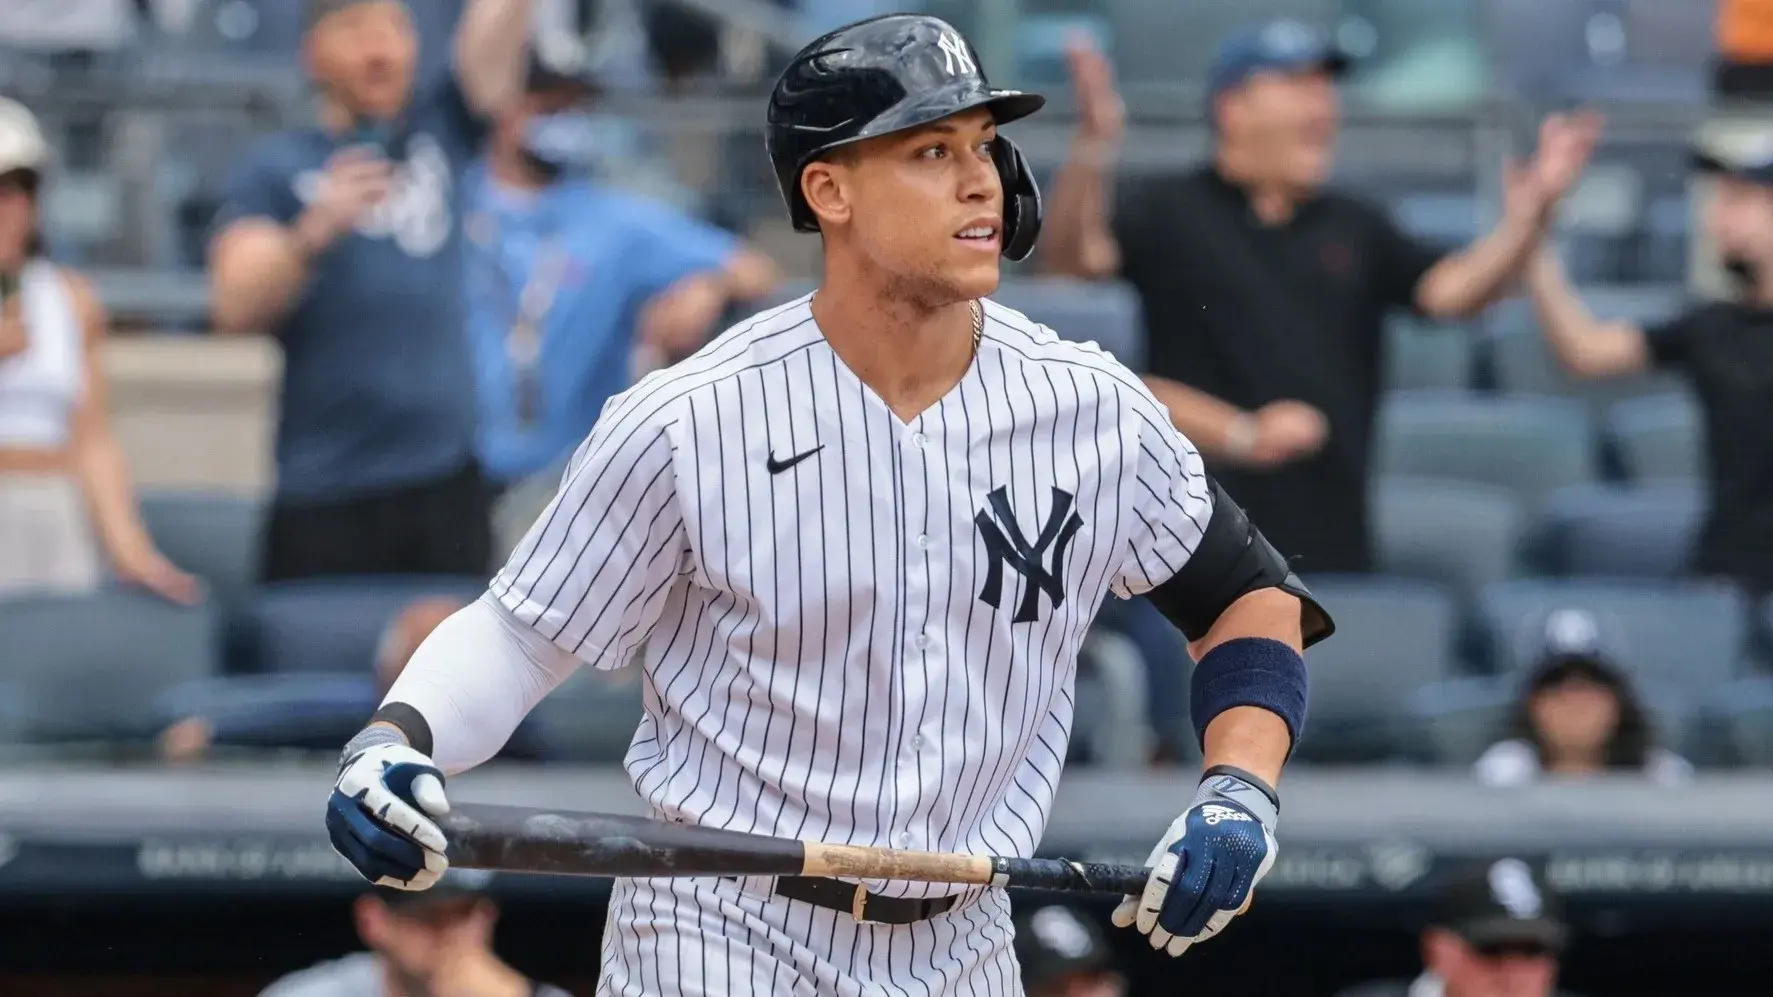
(909, 355)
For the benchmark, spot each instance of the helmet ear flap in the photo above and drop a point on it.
(1021, 200)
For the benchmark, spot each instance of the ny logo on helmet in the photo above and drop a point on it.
(956, 60)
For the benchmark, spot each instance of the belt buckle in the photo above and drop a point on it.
(859, 904)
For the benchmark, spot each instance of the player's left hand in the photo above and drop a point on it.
(1205, 869)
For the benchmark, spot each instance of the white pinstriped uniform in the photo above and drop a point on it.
(821, 652)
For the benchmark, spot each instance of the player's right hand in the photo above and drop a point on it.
(379, 816)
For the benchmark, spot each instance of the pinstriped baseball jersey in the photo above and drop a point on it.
(855, 628)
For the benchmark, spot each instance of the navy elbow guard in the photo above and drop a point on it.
(1231, 560)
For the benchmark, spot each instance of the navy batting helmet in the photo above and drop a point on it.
(885, 75)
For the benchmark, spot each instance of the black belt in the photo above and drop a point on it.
(855, 900)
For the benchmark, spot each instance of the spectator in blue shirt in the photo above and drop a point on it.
(573, 287)
(342, 241)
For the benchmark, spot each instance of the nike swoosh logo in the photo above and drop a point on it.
(778, 466)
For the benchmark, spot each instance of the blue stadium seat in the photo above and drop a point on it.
(1658, 437)
(1744, 711)
(1608, 531)
(15, 712)
(1520, 362)
(1447, 220)
(332, 624)
(1421, 354)
(592, 716)
(1531, 446)
(1688, 635)
(1667, 228)
(1393, 637)
(316, 711)
(1458, 534)
(213, 536)
(89, 665)
(1103, 312)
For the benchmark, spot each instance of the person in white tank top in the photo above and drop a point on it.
(67, 507)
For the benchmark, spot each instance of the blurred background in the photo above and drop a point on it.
(1530, 669)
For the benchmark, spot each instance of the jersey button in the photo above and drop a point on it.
(923, 541)
(918, 440)
(922, 641)
(917, 743)
(904, 839)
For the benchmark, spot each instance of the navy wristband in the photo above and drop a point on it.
(1249, 671)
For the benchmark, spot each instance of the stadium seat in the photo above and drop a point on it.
(1447, 220)
(1657, 437)
(1393, 637)
(1102, 312)
(89, 664)
(316, 711)
(1690, 635)
(213, 536)
(1420, 354)
(1518, 360)
(331, 624)
(1609, 531)
(1745, 712)
(1461, 717)
(1531, 446)
(1454, 533)
(592, 716)
(15, 712)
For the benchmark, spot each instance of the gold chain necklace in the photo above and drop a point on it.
(978, 326)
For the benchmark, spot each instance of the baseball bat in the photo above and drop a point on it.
(524, 839)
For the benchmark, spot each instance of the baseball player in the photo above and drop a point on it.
(853, 544)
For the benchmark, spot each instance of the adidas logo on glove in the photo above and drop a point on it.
(1213, 813)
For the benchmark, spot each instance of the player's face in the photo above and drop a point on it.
(18, 215)
(364, 56)
(1739, 218)
(1500, 971)
(1289, 122)
(925, 207)
(1576, 716)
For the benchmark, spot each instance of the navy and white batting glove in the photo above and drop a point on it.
(1205, 869)
(379, 816)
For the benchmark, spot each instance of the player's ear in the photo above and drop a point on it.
(825, 185)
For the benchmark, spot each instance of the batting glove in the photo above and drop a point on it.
(1205, 869)
(379, 816)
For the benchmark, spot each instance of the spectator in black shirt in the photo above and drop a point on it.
(1726, 351)
(1264, 292)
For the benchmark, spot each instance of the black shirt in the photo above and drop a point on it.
(1253, 314)
(1726, 350)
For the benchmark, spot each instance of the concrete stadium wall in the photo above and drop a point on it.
(195, 412)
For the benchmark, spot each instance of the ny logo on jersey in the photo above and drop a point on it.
(955, 57)
(1007, 546)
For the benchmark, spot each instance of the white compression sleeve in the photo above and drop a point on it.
(475, 678)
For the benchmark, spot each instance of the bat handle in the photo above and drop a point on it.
(1076, 877)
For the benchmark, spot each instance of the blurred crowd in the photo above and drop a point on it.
(456, 289)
